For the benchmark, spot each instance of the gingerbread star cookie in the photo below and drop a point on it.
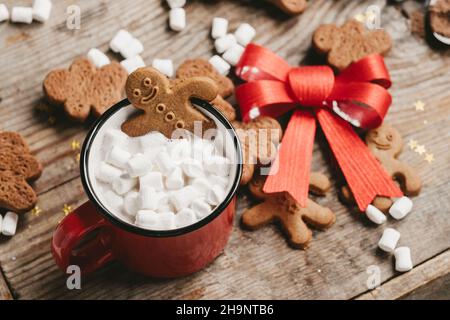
(349, 43)
(259, 140)
(166, 103)
(17, 169)
(284, 209)
(386, 143)
(83, 88)
(202, 68)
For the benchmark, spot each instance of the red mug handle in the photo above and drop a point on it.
(83, 239)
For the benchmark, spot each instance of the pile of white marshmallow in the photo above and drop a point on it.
(388, 242)
(40, 11)
(161, 184)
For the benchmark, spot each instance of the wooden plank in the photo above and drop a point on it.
(425, 278)
(255, 264)
(5, 293)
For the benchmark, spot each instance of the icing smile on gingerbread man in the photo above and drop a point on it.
(381, 141)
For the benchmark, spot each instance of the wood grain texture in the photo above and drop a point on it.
(255, 264)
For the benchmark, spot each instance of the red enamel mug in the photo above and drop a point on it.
(92, 236)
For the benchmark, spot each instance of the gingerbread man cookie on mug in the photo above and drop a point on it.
(166, 103)
(386, 143)
(284, 209)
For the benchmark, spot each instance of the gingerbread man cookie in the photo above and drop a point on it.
(284, 209)
(259, 140)
(83, 88)
(17, 168)
(291, 7)
(202, 68)
(349, 43)
(166, 103)
(385, 143)
(440, 17)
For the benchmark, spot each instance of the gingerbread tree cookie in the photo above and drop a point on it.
(284, 209)
(83, 88)
(17, 169)
(386, 143)
(349, 43)
(166, 103)
(202, 68)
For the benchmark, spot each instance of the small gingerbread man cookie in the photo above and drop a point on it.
(291, 7)
(349, 43)
(166, 103)
(284, 209)
(386, 143)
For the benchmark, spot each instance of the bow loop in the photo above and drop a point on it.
(311, 85)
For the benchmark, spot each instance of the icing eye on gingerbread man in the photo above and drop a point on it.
(166, 103)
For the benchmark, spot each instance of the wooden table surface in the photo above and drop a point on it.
(255, 264)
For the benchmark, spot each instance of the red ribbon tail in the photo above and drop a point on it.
(364, 174)
(291, 169)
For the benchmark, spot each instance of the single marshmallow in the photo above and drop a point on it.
(201, 208)
(114, 200)
(182, 198)
(132, 49)
(120, 40)
(165, 208)
(245, 34)
(152, 140)
(222, 181)
(219, 27)
(179, 150)
(114, 137)
(175, 180)
(42, 10)
(192, 168)
(403, 260)
(98, 58)
(202, 150)
(185, 218)
(118, 157)
(220, 65)
(132, 64)
(149, 198)
(216, 195)
(401, 208)
(375, 215)
(201, 185)
(165, 66)
(233, 54)
(107, 173)
(166, 221)
(164, 163)
(152, 179)
(218, 165)
(124, 184)
(131, 203)
(176, 3)
(147, 218)
(389, 240)
(9, 224)
(177, 19)
(4, 13)
(138, 165)
(22, 14)
(224, 43)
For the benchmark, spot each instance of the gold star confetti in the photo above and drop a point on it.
(429, 157)
(51, 120)
(36, 211)
(360, 17)
(420, 149)
(75, 145)
(67, 209)
(420, 106)
(412, 144)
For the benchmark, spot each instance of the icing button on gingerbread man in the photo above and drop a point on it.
(166, 104)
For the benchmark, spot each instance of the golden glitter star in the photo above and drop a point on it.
(420, 149)
(36, 211)
(67, 209)
(360, 17)
(75, 145)
(412, 144)
(420, 106)
(429, 157)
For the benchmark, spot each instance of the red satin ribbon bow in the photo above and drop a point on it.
(358, 95)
